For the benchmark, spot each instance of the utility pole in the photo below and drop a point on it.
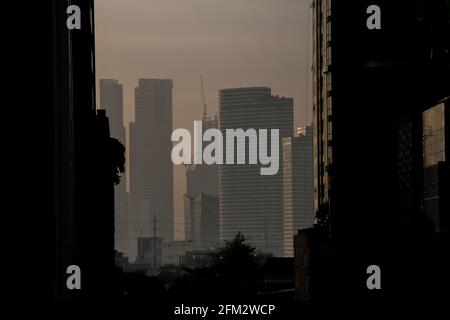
(265, 234)
(154, 242)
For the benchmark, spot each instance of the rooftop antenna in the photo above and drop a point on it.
(203, 97)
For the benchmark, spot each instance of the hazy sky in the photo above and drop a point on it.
(232, 43)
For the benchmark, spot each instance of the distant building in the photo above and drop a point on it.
(203, 221)
(111, 99)
(174, 252)
(249, 202)
(197, 258)
(203, 178)
(201, 203)
(151, 169)
(150, 251)
(121, 259)
(298, 186)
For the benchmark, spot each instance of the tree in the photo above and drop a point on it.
(237, 263)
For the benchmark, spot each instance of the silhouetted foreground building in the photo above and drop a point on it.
(87, 162)
(311, 263)
(370, 88)
(278, 274)
(436, 163)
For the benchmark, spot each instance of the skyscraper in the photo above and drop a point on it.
(201, 202)
(151, 171)
(203, 178)
(201, 219)
(298, 186)
(249, 202)
(111, 99)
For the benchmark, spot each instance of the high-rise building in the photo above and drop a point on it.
(149, 250)
(251, 202)
(201, 202)
(111, 99)
(367, 157)
(298, 186)
(203, 178)
(151, 170)
(201, 220)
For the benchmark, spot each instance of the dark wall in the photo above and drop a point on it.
(381, 77)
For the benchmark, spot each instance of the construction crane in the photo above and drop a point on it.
(203, 97)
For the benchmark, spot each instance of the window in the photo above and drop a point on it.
(329, 106)
(329, 82)
(329, 56)
(330, 131)
(328, 30)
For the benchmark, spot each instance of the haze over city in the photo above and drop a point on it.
(233, 43)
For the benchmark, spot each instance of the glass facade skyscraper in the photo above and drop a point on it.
(298, 186)
(249, 202)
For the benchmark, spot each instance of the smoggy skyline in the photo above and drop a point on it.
(231, 43)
